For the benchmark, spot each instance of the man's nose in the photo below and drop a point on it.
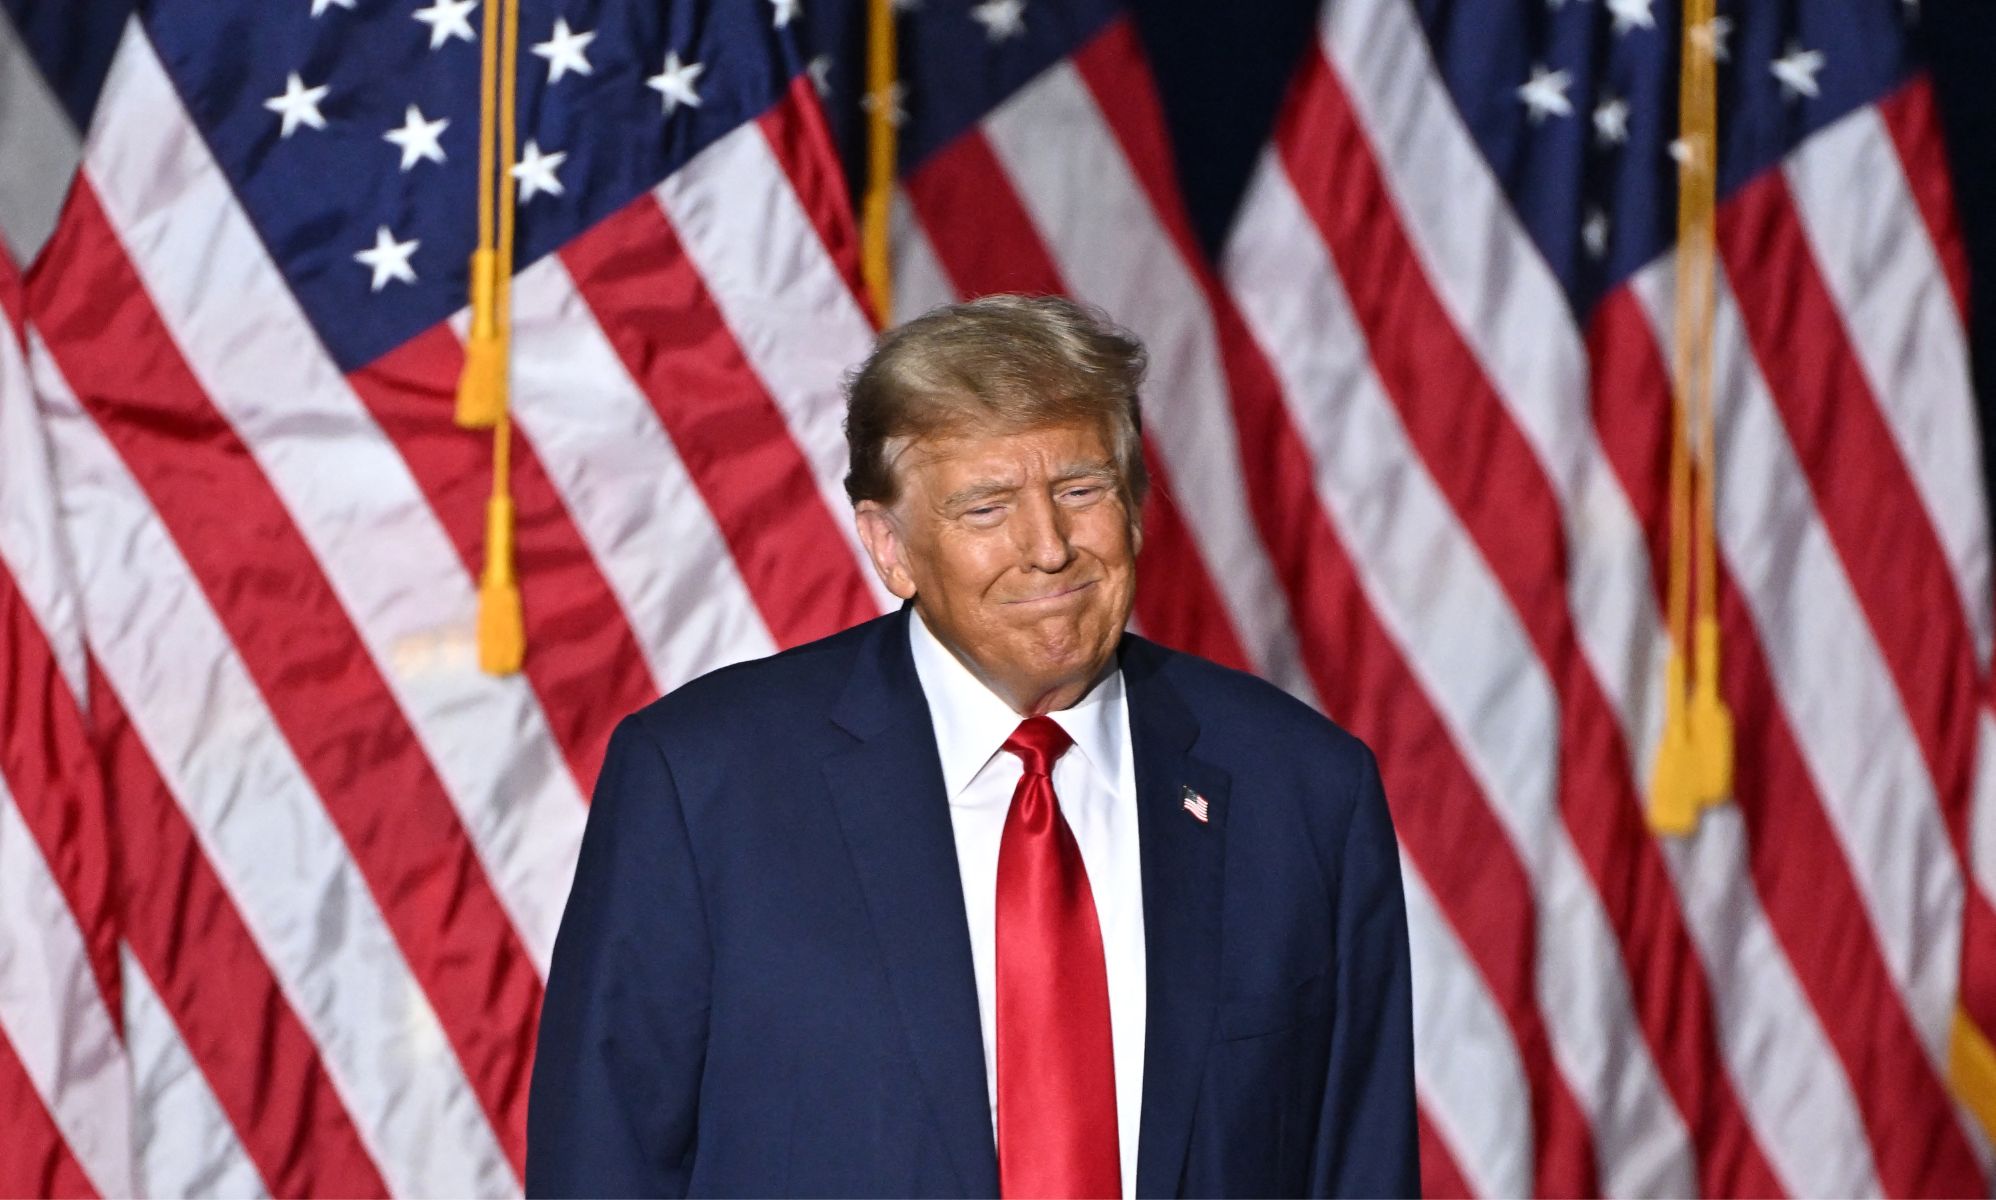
(1043, 535)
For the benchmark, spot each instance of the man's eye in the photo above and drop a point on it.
(983, 512)
(1088, 492)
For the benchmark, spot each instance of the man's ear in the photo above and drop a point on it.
(880, 533)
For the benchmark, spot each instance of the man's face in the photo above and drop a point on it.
(1020, 553)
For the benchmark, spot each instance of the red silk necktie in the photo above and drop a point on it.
(1056, 1067)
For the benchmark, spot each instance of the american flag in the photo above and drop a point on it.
(280, 868)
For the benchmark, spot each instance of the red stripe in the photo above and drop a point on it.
(214, 983)
(34, 1158)
(45, 758)
(1914, 126)
(582, 659)
(1364, 682)
(654, 309)
(795, 128)
(1493, 481)
(1441, 1178)
(298, 643)
(986, 242)
(1869, 503)
(1798, 866)
(10, 292)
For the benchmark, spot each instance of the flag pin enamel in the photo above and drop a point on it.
(1193, 803)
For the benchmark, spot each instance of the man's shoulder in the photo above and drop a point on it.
(773, 692)
(1244, 713)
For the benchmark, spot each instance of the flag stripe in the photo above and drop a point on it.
(34, 1158)
(762, 265)
(795, 129)
(630, 493)
(654, 309)
(297, 643)
(1475, 1100)
(1796, 765)
(1914, 124)
(1891, 561)
(380, 565)
(1495, 486)
(598, 674)
(1075, 181)
(1780, 1056)
(991, 246)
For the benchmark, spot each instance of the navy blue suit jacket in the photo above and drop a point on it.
(762, 984)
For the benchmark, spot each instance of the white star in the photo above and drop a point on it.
(1611, 121)
(675, 82)
(1629, 14)
(299, 105)
(1797, 71)
(320, 6)
(447, 19)
(1001, 19)
(820, 71)
(896, 97)
(418, 138)
(1544, 94)
(388, 258)
(1594, 232)
(535, 171)
(786, 11)
(1684, 152)
(1711, 38)
(565, 51)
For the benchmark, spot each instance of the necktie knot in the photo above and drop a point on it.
(1039, 742)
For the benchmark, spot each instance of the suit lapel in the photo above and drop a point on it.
(1182, 878)
(888, 790)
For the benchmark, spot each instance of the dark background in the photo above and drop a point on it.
(1223, 69)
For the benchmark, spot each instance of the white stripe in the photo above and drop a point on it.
(52, 1011)
(1092, 215)
(260, 825)
(39, 145)
(186, 1145)
(1429, 586)
(349, 493)
(624, 484)
(1466, 1066)
(1830, 674)
(919, 281)
(1982, 818)
(790, 311)
(1513, 315)
(1880, 265)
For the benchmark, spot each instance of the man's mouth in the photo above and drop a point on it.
(1051, 597)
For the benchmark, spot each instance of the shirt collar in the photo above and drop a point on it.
(972, 723)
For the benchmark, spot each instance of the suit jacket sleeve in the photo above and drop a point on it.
(1366, 1140)
(624, 1028)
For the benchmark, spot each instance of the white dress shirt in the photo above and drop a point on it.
(1096, 783)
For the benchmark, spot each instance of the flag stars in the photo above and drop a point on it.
(565, 50)
(1544, 94)
(1632, 14)
(298, 105)
(786, 12)
(1710, 37)
(1611, 121)
(1797, 71)
(447, 19)
(1594, 233)
(535, 172)
(418, 138)
(894, 100)
(675, 83)
(820, 71)
(319, 7)
(1002, 19)
(388, 259)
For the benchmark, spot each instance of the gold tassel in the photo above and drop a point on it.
(1673, 795)
(502, 626)
(876, 209)
(1710, 722)
(481, 391)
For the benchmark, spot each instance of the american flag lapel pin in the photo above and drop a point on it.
(1193, 803)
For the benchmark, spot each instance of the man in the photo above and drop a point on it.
(986, 895)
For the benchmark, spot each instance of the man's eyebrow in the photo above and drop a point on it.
(988, 488)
